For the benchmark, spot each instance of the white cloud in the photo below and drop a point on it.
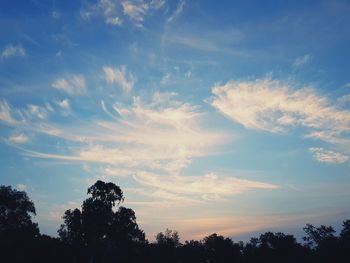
(13, 50)
(21, 187)
(37, 111)
(73, 85)
(135, 10)
(166, 79)
(178, 11)
(207, 187)
(344, 99)
(275, 106)
(157, 4)
(209, 41)
(115, 12)
(5, 113)
(326, 156)
(20, 138)
(120, 76)
(163, 97)
(163, 135)
(64, 104)
(301, 61)
(115, 21)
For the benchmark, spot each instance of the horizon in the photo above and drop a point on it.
(227, 117)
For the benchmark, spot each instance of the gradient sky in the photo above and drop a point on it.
(212, 116)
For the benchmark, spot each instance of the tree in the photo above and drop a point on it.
(345, 232)
(18, 234)
(169, 238)
(316, 235)
(102, 226)
(220, 249)
(16, 211)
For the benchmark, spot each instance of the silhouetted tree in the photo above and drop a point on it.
(316, 235)
(17, 231)
(16, 211)
(169, 238)
(166, 246)
(220, 249)
(103, 229)
(322, 241)
(344, 241)
(275, 247)
(193, 252)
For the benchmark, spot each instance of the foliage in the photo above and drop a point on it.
(104, 231)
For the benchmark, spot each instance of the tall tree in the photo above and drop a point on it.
(16, 211)
(102, 225)
(18, 234)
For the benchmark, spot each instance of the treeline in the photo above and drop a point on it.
(104, 231)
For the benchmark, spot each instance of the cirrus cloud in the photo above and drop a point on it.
(326, 156)
(276, 106)
(120, 76)
(73, 85)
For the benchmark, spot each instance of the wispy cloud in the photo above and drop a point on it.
(21, 187)
(163, 135)
(115, 21)
(209, 41)
(120, 76)
(115, 12)
(276, 106)
(326, 156)
(301, 61)
(36, 111)
(6, 113)
(73, 85)
(19, 138)
(207, 187)
(178, 11)
(64, 104)
(12, 51)
(135, 10)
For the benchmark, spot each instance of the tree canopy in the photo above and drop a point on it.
(104, 231)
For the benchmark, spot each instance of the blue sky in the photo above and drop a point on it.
(230, 117)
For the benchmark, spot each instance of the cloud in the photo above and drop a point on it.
(178, 11)
(166, 79)
(275, 106)
(114, 12)
(36, 111)
(135, 10)
(209, 41)
(207, 187)
(6, 113)
(12, 51)
(64, 104)
(20, 138)
(162, 135)
(73, 85)
(344, 99)
(326, 156)
(120, 76)
(302, 61)
(115, 21)
(21, 187)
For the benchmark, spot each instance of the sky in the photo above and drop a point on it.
(212, 116)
